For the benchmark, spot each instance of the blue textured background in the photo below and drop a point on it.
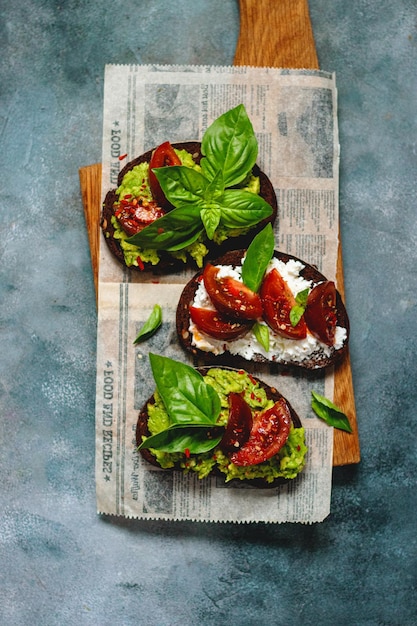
(59, 562)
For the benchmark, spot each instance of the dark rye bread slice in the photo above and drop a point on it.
(167, 263)
(316, 361)
(271, 393)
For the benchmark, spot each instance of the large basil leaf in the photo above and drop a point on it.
(170, 231)
(186, 396)
(242, 209)
(257, 257)
(327, 411)
(229, 144)
(181, 185)
(195, 438)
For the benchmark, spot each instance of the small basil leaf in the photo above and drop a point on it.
(327, 411)
(151, 325)
(241, 209)
(181, 184)
(173, 229)
(187, 397)
(229, 144)
(195, 438)
(261, 333)
(296, 314)
(211, 219)
(302, 296)
(214, 189)
(297, 311)
(258, 255)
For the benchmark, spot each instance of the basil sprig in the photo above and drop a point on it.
(151, 325)
(193, 407)
(329, 412)
(204, 200)
(297, 311)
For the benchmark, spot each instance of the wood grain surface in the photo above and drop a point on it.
(273, 33)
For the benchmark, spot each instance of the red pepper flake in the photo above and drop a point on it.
(122, 156)
(252, 396)
(160, 231)
(251, 378)
(187, 453)
(298, 448)
(139, 261)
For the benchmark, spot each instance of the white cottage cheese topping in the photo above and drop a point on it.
(280, 348)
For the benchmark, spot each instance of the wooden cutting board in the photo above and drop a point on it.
(273, 33)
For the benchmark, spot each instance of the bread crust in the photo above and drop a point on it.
(167, 263)
(234, 257)
(272, 393)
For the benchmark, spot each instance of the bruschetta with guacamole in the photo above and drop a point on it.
(219, 421)
(180, 203)
(260, 305)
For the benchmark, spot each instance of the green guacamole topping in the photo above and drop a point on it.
(286, 464)
(136, 184)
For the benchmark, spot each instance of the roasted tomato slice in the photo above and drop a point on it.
(215, 325)
(320, 314)
(278, 300)
(134, 214)
(162, 156)
(239, 424)
(230, 296)
(269, 434)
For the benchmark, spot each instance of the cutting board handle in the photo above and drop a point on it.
(275, 33)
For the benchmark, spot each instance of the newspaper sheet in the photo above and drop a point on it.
(294, 114)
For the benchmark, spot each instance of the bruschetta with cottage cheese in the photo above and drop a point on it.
(294, 316)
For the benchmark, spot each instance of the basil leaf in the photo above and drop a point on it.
(302, 297)
(297, 311)
(151, 325)
(214, 189)
(195, 438)
(258, 255)
(241, 209)
(188, 399)
(181, 185)
(173, 229)
(261, 333)
(296, 314)
(229, 144)
(327, 411)
(211, 219)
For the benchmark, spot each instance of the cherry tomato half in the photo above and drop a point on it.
(134, 214)
(239, 424)
(216, 325)
(230, 296)
(278, 300)
(320, 313)
(269, 434)
(162, 155)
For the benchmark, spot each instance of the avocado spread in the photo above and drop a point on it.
(136, 184)
(287, 464)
